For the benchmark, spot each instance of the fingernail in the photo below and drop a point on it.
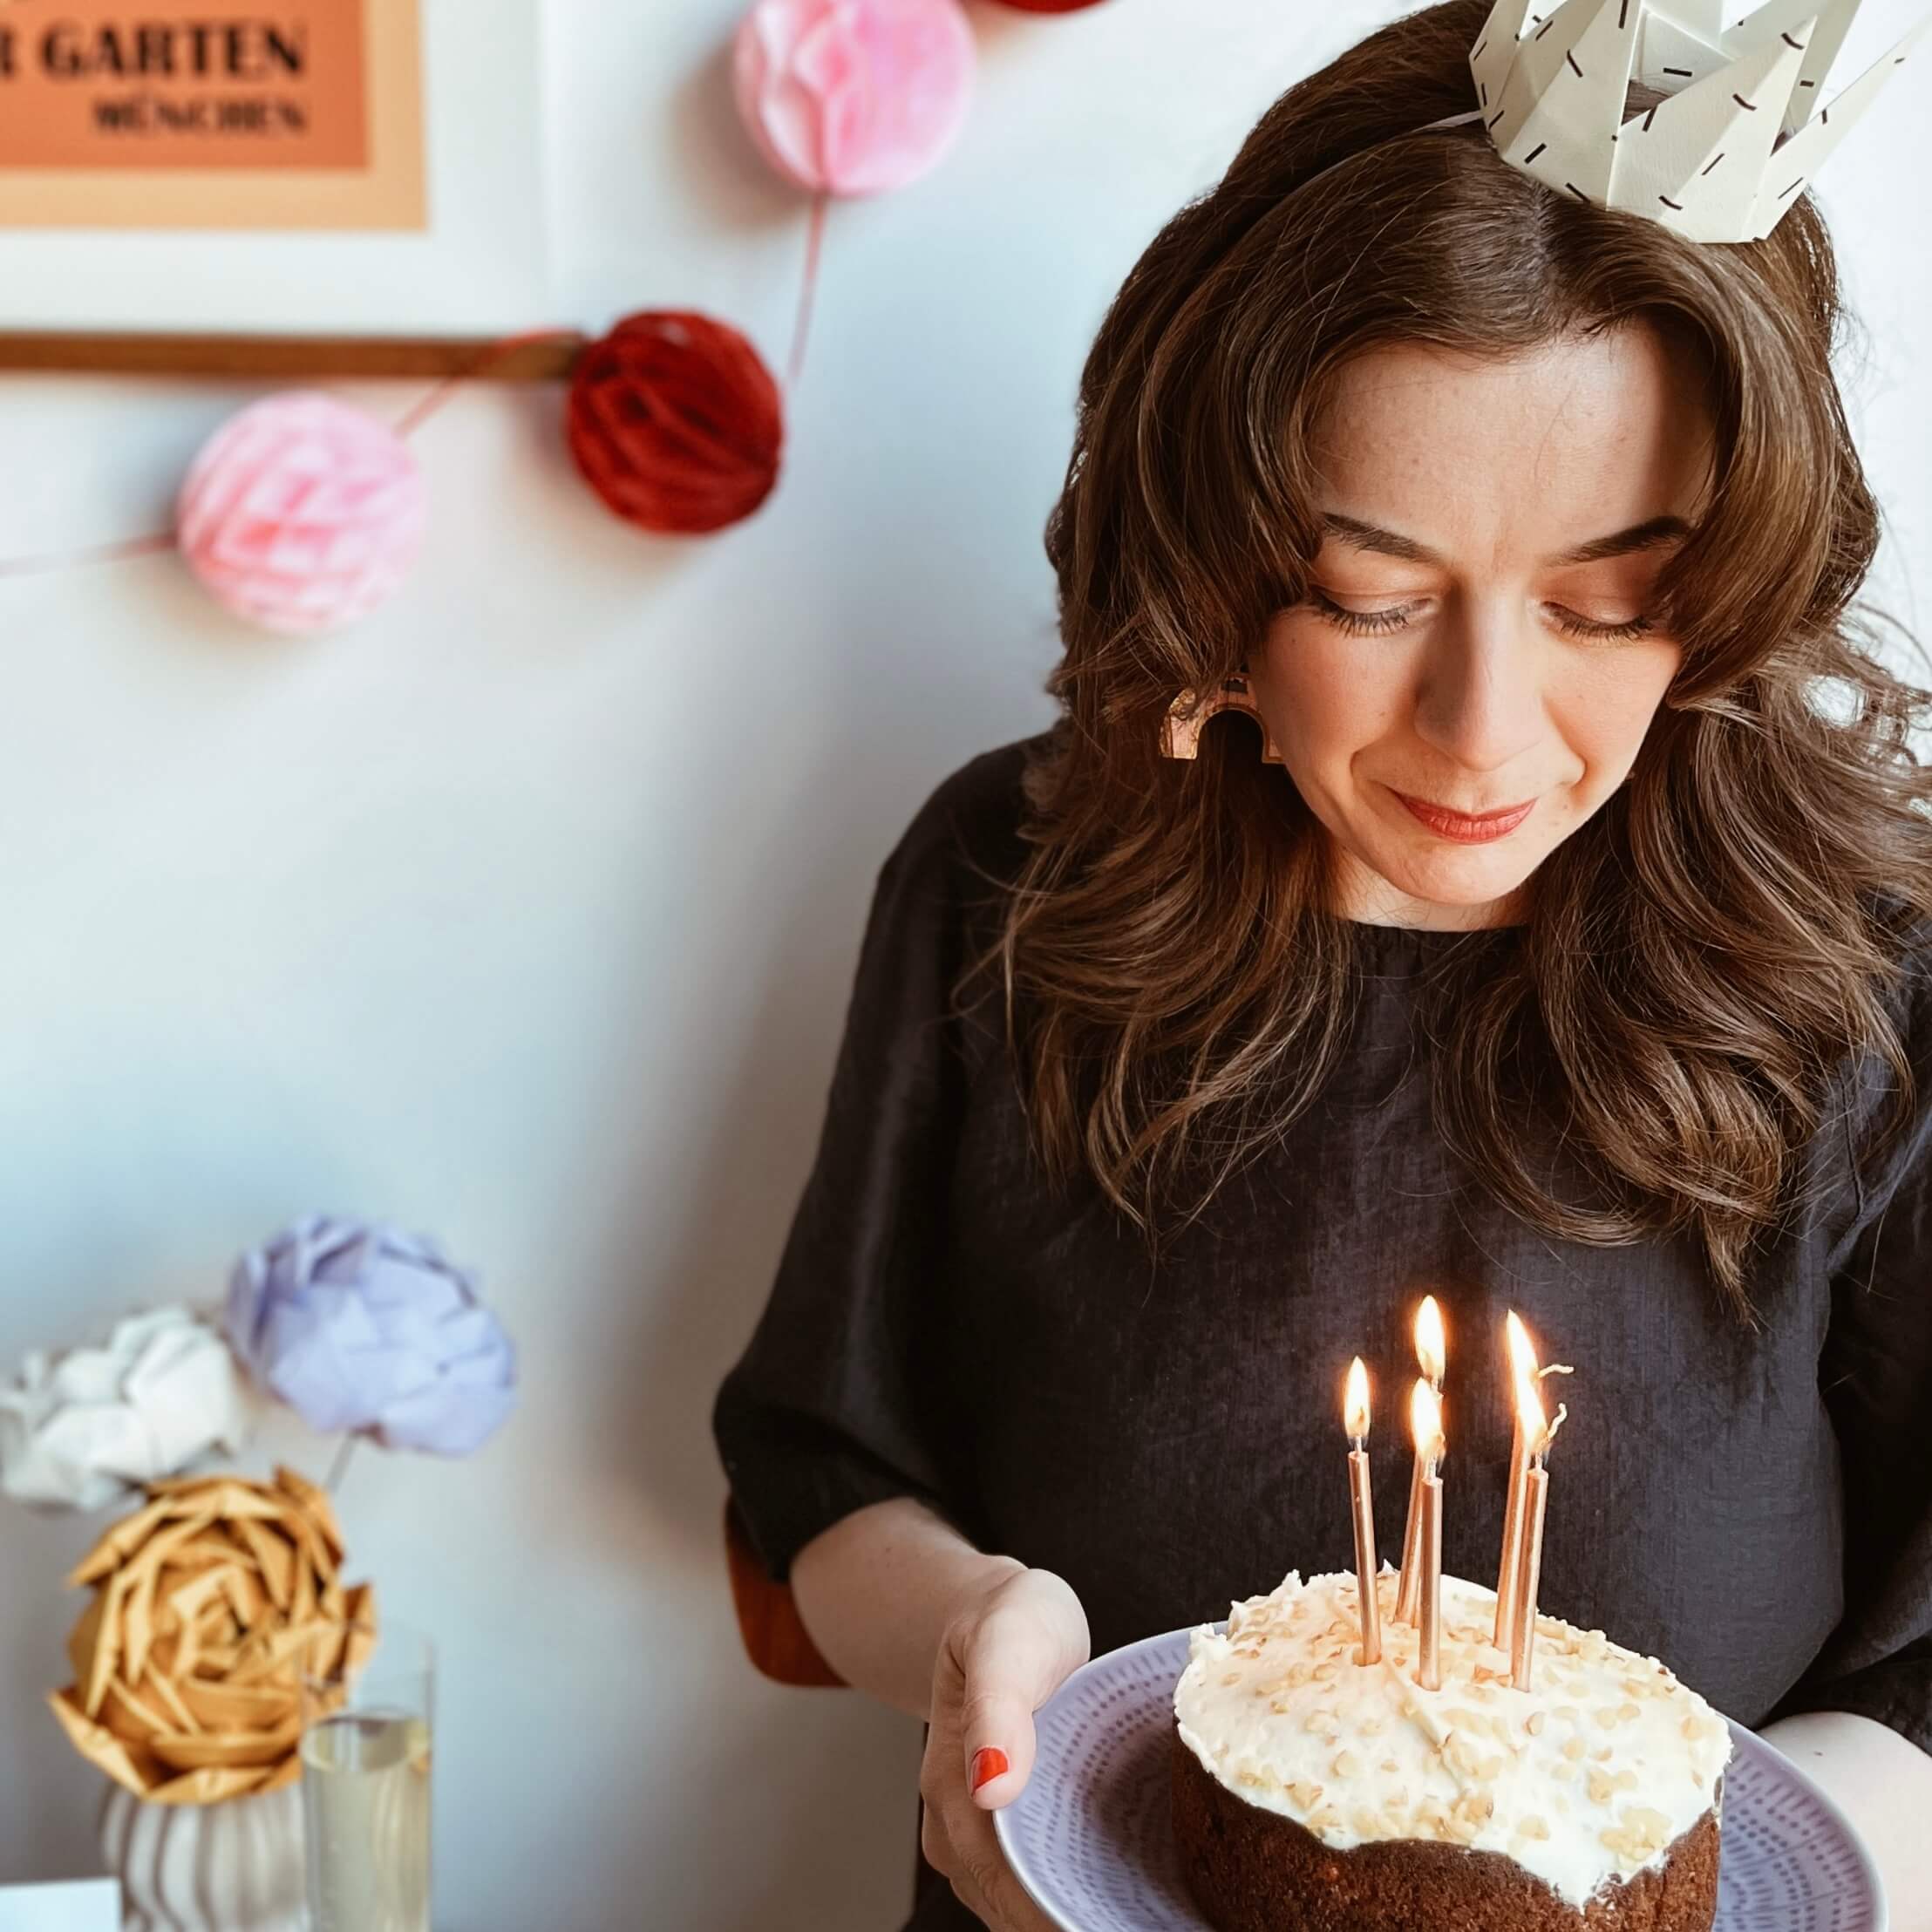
(988, 1763)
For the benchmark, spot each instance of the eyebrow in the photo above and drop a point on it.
(1372, 537)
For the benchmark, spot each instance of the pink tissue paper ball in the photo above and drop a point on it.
(852, 97)
(301, 512)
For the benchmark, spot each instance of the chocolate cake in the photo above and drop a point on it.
(1312, 1793)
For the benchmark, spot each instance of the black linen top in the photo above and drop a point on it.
(1753, 1508)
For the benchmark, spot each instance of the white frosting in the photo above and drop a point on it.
(1587, 1777)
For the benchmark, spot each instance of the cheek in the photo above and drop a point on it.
(1608, 702)
(1327, 695)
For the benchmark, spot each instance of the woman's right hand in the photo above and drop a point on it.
(1002, 1656)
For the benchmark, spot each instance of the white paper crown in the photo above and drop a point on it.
(1721, 158)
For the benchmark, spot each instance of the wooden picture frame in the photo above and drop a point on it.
(389, 222)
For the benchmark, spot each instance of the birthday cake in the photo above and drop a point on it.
(1313, 1792)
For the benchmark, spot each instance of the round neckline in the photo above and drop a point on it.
(1372, 931)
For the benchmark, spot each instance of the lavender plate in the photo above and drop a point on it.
(1088, 1837)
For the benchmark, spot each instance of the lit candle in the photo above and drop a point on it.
(1431, 1352)
(1426, 1419)
(1355, 1418)
(1522, 1370)
(1537, 1438)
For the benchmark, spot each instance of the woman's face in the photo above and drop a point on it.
(1479, 634)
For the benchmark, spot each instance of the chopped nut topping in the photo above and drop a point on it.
(1648, 1824)
(1627, 1847)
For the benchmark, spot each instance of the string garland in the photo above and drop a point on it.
(303, 513)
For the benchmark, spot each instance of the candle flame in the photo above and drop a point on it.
(1431, 1349)
(1425, 1421)
(1522, 1351)
(1354, 1402)
(1529, 1410)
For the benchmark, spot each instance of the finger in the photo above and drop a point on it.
(1001, 1901)
(1011, 1665)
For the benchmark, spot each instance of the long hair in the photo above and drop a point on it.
(1705, 950)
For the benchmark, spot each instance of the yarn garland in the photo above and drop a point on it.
(303, 513)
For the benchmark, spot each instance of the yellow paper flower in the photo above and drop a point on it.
(208, 1604)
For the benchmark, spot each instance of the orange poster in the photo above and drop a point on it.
(266, 113)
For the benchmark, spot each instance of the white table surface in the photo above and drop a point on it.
(85, 1905)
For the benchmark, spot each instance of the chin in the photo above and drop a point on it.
(1460, 878)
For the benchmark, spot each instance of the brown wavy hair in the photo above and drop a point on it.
(1706, 951)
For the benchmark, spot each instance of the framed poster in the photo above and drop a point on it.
(271, 166)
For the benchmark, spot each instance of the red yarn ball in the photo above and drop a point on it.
(675, 422)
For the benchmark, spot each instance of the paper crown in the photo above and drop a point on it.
(1725, 155)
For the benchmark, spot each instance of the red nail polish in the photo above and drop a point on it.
(988, 1763)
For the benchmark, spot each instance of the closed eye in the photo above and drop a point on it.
(1395, 618)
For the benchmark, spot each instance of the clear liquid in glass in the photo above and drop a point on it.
(366, 1809)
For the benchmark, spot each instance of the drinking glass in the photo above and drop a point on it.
(365, 1789)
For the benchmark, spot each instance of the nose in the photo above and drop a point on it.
(1478, 697)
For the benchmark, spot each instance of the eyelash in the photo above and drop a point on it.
(1379, 623)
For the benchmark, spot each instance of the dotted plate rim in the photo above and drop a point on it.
(1813, 1839)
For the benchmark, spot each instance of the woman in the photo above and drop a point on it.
(1554, 938)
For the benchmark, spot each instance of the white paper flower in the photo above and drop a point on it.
(81, 1428)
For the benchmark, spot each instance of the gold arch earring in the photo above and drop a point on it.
(1180, 728)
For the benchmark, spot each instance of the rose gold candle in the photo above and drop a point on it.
(1355, 1418)
(1425, 1418)
(1431, 1353)
(1523, 1374)
(1522, 1649)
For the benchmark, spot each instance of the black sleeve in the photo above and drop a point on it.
(839, 1398)
(1876, 1381)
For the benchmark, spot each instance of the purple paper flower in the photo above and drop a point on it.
(358, 1326)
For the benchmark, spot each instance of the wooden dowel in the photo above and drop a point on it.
(484, 358)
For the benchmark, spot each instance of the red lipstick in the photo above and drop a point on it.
(1466, 828)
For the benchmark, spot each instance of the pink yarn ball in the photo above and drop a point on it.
(301, 513)
(851, 96)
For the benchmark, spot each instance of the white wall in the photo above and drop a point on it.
(526, 913)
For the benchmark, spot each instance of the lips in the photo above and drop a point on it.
(1465, 827)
